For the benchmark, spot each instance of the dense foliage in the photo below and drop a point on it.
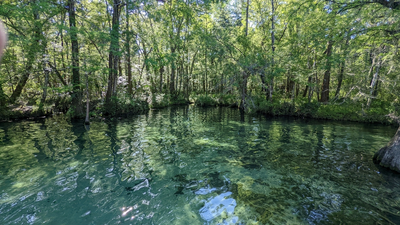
(322, 58)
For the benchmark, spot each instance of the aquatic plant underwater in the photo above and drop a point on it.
(190, 165)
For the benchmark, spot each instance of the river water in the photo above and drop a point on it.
(189, 165)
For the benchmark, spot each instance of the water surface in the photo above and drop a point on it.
(191, 165)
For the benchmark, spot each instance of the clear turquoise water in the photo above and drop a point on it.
(190, 165)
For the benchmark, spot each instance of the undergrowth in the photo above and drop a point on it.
(215, 100)
(345, 110)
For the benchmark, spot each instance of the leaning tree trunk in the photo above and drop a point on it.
(389, 156)
(31, 56)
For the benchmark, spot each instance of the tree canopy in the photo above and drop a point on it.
(247, 53)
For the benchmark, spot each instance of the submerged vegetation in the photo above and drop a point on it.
(195, 165)
(310, 58)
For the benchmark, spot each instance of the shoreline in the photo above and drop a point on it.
(20, 115)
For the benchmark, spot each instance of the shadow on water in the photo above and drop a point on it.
(189, 165)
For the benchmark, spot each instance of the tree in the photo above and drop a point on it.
(327, 74)
(76, 96)
(250, 51)
(346, 5)
(113, 58)
(31, 53)
(128, 49)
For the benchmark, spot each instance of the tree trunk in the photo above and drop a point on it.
(342, 66)
(3, 96)
(46, 81)
(205, 81)
(245, 73)
(373, 82)
(62, 39)
(247, 18)
(313, 80)
(263, 84)
(309, 78)
(87, 122)
(76, 89)
(172, 79)
(271, 83)
(377, 85)
(168, 77)
(289, 84)
(113, 55)
(161, 71)
(128, 52)
(310, 92)
(181, 76)
(340, 79)
(32, 50)
(243, 103)
(327, 75)
(389, 156)
(307, 86)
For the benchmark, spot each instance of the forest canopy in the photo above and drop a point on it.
(336, 57)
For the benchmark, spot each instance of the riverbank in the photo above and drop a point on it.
(333, 111)
(97, 108)
(341, 110)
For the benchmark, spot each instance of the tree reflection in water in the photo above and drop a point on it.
(188, 165)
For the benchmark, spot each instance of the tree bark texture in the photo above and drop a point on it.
(342, 67)
(76, 89)
(327, 75)
(128, 52)
(172, 79)
(87, 121)
(46, 81)
(307, 86)
(113, 58)
(340, 79)
(374, 82)
(271, 83)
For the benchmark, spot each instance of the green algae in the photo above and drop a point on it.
(169, 164)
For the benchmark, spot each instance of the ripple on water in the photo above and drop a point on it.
(172, 167)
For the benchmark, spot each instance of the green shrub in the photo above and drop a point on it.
(124, 105)
(282, 107)
(307, 109)
(159, 101)
(226, 99)
(178, 100)
(205, 100)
